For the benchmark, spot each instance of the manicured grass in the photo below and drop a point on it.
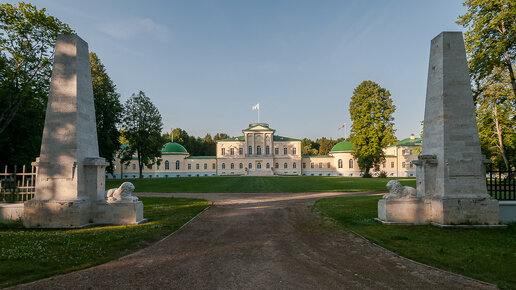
(31, 254)
(259, 184)
(484, 254)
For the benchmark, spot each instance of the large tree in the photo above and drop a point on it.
(496, 119)
(142, 127)
(491, 37)
(371, 111)
(27, 39)
(107, 110)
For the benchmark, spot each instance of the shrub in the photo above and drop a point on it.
(382, 174)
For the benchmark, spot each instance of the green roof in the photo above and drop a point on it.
(281, 138)
(317, 156)
(171, 148)
(342, 146)
(409, 142)
(202, 157)
(239, 138)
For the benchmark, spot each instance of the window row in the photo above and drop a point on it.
(258, 165)
(258, 151)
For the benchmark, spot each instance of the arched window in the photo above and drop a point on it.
(340, 163)
(350, 163)
(167, 165)
(223, 165)
(285, 165)
(177, 165)
(267, 165)
(258, 150)
(250, 150)
(241, 165)
(276, 165)
(294, 165)
(258, 165)
(250, 165)
(232, 166)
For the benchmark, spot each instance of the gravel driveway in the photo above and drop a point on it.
(260, 241)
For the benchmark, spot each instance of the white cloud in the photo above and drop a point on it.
(124, 29)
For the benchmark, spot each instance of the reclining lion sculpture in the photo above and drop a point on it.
(398, 191)
(121, 194)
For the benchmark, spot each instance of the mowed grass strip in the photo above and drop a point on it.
(255, 184)
(485, 254)
(31, 254)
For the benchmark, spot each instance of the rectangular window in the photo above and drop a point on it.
(285, 151)
(311, 165)
(197, 166)
(240, 151)
(213, 166)
(320, 164)
(392, 164)
(223, 151)
(294, 151)
(304, 164)
(134, 166)
(126, 166)
(384, 164)
(267, 150)
(232, 151)
(250, 150)
(403, 164)
(329, 165)
(411, 165)
(276, 151)
(205, 166)
(189, 166)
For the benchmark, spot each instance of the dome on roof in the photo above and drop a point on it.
(173, 148)
(342, 146)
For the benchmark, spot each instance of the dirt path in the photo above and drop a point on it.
(260, 241)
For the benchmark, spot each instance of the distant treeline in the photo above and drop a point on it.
(207, 146)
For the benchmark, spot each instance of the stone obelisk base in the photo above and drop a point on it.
(56, 213)
(479, 209)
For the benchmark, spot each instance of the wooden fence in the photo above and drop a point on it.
(18, 185)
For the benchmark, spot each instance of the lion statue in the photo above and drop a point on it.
(398, 191)
(121, 194)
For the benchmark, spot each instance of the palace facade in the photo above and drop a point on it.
(260, 152)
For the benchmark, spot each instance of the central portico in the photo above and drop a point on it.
(259, 152)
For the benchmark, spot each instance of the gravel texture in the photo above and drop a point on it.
(260, 241)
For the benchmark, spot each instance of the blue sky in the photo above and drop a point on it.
(204, 64)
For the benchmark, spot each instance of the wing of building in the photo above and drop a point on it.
(260, 152)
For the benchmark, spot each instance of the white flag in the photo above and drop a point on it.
(256, 107)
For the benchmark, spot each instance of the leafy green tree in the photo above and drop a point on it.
(308, 147)
(220, 136)
(491, 37)
(325, 145)
(107, 110)
(496, 119)
(371, 110)
(27, 39)
(142, 124)
(210, 147)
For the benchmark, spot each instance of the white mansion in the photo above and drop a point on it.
(260, 152)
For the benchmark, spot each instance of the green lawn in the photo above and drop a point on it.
(31, 254)
(484, 254)
(259, 184)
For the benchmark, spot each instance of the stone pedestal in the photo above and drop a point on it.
(411, 211)
(450, 172)
(120, 213)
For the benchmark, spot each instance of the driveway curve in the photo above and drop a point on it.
(260, 241)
